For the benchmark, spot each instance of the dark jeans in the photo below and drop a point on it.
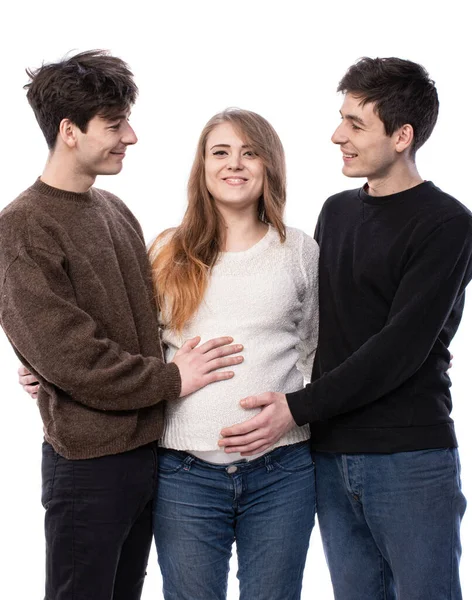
(98, 524)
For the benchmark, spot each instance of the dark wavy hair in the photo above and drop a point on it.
(79, 88)
(401, 91)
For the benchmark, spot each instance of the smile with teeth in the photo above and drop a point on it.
(235, 180)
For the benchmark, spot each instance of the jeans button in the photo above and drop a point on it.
(231, 469)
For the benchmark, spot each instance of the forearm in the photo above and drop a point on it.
(431, 289)
(67, 348)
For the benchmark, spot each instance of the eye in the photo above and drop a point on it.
(115, 127)
(219, 152)
(250, 154)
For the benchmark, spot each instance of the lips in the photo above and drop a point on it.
(235, 180)
(348, 155)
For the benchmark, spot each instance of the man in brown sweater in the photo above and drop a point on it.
(76, 303)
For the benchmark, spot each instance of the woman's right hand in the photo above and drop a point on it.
(28, 382)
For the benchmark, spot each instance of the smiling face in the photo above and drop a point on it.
(234, 174)
(101, 149)
(366, 148)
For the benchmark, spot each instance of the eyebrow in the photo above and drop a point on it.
(354, 118)
(116, 117)
(227, 146)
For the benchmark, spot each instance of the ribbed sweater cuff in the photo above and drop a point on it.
(174, 382)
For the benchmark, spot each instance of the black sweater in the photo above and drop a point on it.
(393, 272)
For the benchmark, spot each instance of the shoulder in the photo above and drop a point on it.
(19, 208)
(340, 206)
(444, 204)
(303, 256)
(301, 241)
(23, 219)
(116, 205)
(25, 225)
(436, 213)
(341, 198)
(107, 198)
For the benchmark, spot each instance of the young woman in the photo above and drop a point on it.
(233, 266)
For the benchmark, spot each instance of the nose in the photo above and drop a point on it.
(129, 137)
(234, 161)
(339, 136)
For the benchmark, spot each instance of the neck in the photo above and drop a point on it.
(399, 179)
(243, 230)
(61, 172)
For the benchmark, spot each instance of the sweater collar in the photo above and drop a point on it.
(394, 198)
(52, 192)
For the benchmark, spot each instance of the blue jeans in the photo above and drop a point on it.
(266, 505)
(390, 524)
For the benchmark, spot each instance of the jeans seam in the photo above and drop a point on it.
(453, 534)
(382, 571)
(345, 467)
(53, 479)
(74, 595)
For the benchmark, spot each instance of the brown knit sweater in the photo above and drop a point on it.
(76, 303)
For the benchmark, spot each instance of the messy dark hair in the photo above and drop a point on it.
(79, 88)
(401, 91)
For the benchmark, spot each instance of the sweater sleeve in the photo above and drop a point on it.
(308, 325)
(64, 345)
(434, 280)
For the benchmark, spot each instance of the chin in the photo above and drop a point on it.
(111, 170)
(349, 172)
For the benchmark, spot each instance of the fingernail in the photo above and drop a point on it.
(243, 402)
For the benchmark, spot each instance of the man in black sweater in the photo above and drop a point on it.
(396, 256)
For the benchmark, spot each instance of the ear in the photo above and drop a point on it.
(68, 132)
(404, 137)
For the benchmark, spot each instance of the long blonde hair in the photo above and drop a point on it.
(181, 265)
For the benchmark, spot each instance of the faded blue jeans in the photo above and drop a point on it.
(266, 505)
(390, 524)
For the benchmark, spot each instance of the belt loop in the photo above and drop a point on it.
(268, 463)
(188, 462)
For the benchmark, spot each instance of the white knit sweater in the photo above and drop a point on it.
(266, 298)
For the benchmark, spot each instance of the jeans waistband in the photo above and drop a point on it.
(242, 465)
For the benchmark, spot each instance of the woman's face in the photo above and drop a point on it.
(234, 174)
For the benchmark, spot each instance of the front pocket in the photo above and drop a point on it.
(294, 458)
(48, 473)
(171, 461)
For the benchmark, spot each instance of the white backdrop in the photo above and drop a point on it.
(192, 59)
